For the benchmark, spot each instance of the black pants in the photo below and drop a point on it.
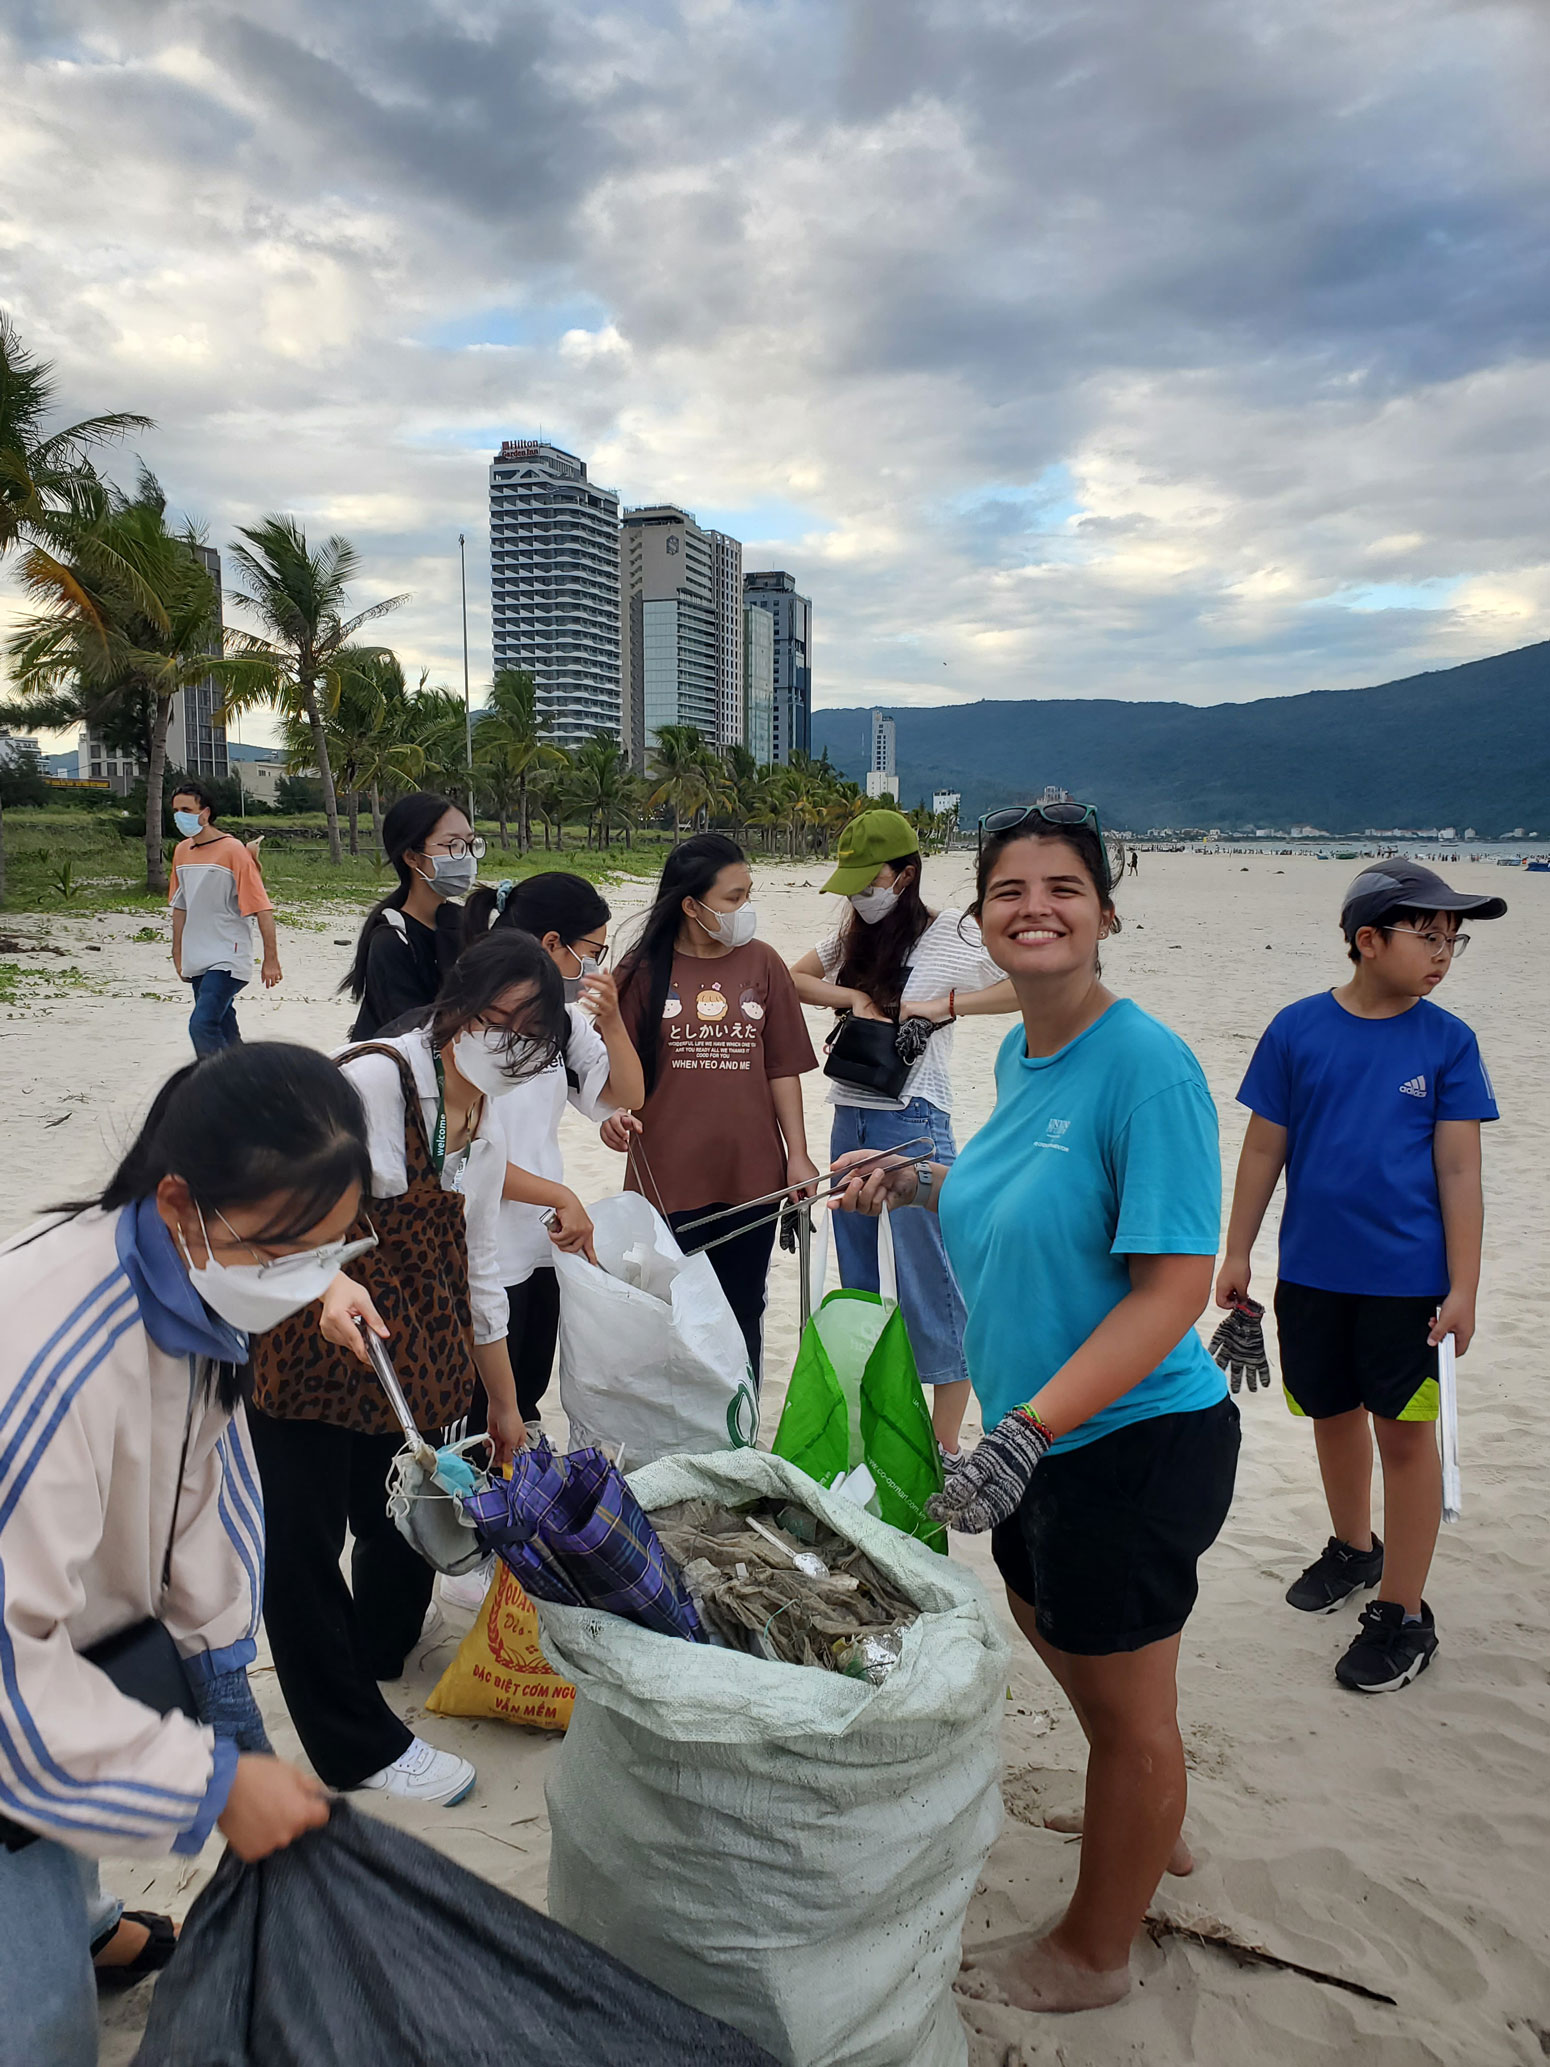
(742, 1265)
(332, 1642)
(531, 1333)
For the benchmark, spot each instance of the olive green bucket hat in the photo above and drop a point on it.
(865, 844)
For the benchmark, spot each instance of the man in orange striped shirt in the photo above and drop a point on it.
(216, 890)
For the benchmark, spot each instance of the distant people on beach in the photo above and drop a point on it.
(1081, 1222)
(1370, 1099)
(714, 1016)
(216, 890)
(891, 958)
(411, 938)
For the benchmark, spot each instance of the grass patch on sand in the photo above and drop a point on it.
(107, 868)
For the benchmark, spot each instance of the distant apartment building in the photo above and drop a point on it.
(669, 626)
(726, 581)
(260, 770)
(792, 617)
(554, 585)
(946, 803)
(17, 746)
(759, 684)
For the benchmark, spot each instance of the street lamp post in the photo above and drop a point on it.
(468, 709)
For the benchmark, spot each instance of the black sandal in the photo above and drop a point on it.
(153, 1955)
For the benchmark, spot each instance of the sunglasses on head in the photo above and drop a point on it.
(1060, 817)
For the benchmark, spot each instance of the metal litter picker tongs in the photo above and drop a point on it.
(1448, 1415)
(921, 1149)
(427, 1485)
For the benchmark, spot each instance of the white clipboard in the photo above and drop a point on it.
(1448, 1415)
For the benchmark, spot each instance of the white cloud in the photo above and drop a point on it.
(1161, 352)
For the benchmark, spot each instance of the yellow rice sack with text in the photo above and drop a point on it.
(499, 1670)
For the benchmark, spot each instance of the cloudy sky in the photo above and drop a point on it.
(1184, 349)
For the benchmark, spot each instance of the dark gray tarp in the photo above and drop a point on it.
(361, 1947)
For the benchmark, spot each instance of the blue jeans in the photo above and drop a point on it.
(213, 1023)
(928, 1292)
(49, 2017)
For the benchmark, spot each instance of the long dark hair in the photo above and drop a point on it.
(689, 871)
(258, 1120)
(405, 830)
(1084, 841)
(477, 978)
(549, 903)
(875, 959)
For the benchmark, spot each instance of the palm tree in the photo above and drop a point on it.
(688, 774)
(370, 742)
(437, 725)
(514, 729)
(298, 596)
(43, 476)
(130, 619)
(601, 786)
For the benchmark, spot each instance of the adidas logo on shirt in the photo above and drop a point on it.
(1416, 1088)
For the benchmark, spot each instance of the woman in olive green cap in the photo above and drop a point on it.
(892, 958)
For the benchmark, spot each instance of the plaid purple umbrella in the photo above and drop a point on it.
(573, 1532)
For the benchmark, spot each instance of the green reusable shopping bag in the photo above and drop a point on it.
(855, 1398)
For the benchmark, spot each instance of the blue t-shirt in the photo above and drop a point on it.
(1360, 1100)
(1106, 1149)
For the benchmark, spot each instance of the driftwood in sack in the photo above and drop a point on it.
(762, 1590)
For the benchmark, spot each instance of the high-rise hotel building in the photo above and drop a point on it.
(554, 585)
(791, 618)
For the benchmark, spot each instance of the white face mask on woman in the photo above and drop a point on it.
(586, 965)
(485, 1060)
(452, 875)
(256, 1296)
(731, 928)
(876, 901)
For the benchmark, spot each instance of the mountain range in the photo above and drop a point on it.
(1461, 745)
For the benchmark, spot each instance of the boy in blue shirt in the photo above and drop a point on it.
(1370, 1098)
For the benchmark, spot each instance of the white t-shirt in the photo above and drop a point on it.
(528, 1120)
(948, 956)
(478, 1174)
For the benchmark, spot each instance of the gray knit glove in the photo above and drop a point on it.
(988, 1487)
(1238, 1346)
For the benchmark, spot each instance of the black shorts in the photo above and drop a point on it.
(1345, 1350)
(1106, 1541)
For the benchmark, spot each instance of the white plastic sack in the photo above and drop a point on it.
(785, 1848)
(652, 1361)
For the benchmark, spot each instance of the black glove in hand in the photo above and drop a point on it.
(989, 1487)
(1239, 1347)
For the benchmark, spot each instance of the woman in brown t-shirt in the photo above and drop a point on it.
(716, 1021)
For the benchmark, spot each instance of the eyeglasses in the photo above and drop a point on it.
(580, 950)
(1438, 945)
(458, 848)
(1062, 816)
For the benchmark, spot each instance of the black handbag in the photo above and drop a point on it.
(864, 1053)
(142, 1662)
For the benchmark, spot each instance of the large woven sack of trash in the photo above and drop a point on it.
(359, 1946)
(652, 1361)
(792, 1850)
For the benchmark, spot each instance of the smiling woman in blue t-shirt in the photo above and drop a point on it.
(1081, 1223)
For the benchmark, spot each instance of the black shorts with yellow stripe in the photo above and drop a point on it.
(1344, 1350)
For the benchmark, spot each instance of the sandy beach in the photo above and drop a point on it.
(1399, 1843)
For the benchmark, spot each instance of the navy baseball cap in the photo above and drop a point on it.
(1405, 885)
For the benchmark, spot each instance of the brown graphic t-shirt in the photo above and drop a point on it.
(730, 1023)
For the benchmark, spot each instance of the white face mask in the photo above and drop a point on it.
(731, 928)
(187, 823)
(452, 875)
(875, 902)
(484, 1060)
(586, 965)
(256, 1296)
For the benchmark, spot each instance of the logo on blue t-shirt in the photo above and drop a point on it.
(1416, 1088)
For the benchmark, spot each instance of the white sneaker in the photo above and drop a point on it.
(425, 1774)
(468, 1589)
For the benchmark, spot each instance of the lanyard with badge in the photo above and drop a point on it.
(439, 1133)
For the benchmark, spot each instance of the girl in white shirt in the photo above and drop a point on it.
(322, 1430)
(893, 958)
(598, 1072)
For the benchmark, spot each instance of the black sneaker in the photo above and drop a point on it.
(1389, 1652)
(1335, 1575)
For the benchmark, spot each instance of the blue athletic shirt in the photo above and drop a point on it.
(1360, 1100)
(1104, 1150)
